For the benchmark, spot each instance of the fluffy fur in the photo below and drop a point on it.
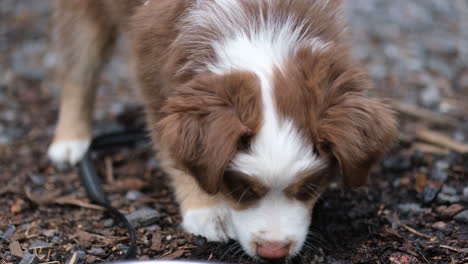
(255, 106)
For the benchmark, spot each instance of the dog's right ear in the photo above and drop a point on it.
(206, 120)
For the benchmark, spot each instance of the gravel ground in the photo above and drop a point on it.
(414, 211)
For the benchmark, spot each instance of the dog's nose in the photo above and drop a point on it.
(273, 249)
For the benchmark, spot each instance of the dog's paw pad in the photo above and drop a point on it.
(213, 223)
(64, 153)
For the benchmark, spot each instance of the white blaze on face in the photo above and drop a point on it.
(276, 218)
(279, 153)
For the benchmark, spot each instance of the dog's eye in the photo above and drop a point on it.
(244, 142)
(306, 192)
(241, 188)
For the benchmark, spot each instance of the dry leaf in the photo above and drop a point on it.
(15, 249)
(125, 185)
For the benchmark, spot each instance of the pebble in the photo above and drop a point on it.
(122, 248)
(7, 233)
(109, 223)
(448, 190)
(439, 171)
(430, 193)
(410, 208)
(133, 195)
(39, 244)
(29, 259)
(397, 164)
(97, 252)
(462, 217)
(143, 217)
(447, 198)
(36, 179)
(439, 225)
(465, 193)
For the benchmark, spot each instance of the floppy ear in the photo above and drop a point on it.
(357, 130)
(205, 119)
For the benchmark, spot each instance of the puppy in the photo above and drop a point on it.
(255, 106)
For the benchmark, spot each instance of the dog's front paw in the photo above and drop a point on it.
(64, 153)
(214, 223)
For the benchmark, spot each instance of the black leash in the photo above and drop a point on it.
(92, 183)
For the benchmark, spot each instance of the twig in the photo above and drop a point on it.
(73, 258)
(460, 250)
(109, 170)
(441, 140)
(73, 201)
(430, 149)
(433, 238)
(426, 115)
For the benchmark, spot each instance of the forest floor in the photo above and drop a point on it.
(415, 209)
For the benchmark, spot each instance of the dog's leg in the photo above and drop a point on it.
(83, 37)
(202, 214)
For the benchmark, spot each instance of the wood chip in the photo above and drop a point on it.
(430, 149)
(109, 170)
(425, 115)
(16, 250)
(441, 140)
(71, 200)
(461, 250)
(125, 185)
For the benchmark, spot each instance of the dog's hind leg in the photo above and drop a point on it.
(83, 39)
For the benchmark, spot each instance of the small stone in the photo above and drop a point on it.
(447, 198)
(39, 244)
(36, 179)
(77, 257)
(448, 190)
(451, 210)
(430, 193)
(7, 233)
(465, 193)
(439, 225)
(29, 259)
(48, 233)
(97, 252)
(57, 239)
(439, 171)
(133, 195)
(143, 217)
(109, 223)
(462, 217)
(397, 164)
(123, 248)
(430, 96)
(410, 208)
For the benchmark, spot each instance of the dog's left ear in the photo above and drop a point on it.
(207, 120)
(357, 130)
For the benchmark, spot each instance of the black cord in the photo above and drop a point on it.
(92, 183)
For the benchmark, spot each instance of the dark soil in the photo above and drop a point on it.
(413, 211)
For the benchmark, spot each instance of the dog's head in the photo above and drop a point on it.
(271, 152)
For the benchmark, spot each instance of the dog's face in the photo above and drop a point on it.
(271, 155)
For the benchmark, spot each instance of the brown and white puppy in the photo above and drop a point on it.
(254, 105)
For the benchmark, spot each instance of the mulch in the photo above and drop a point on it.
(414, 209)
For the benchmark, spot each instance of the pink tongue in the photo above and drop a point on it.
(272, 252)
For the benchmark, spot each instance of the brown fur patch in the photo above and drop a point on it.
(204, 121)
(309, 185)
(325, 93)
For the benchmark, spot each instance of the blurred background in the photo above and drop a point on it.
(414, 212)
